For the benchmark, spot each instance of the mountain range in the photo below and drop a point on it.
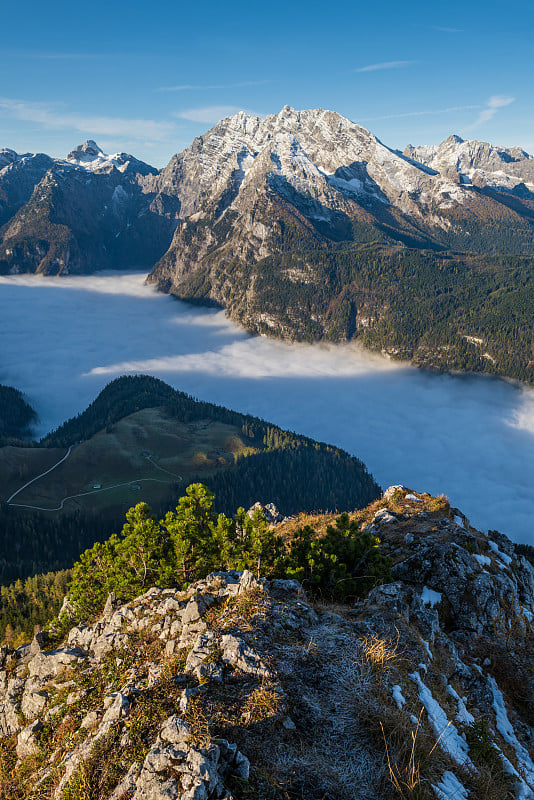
(300, 224)
(250, 187)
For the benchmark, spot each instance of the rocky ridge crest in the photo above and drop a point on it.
(240, 682)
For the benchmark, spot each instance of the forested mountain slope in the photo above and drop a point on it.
(142, 440)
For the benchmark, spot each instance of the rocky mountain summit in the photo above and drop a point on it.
(480, 164)
(252, 187)
(242, 687)
(89, 156)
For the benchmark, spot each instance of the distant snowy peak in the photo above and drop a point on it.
(91, 157)
(7, 156)
(478, 163)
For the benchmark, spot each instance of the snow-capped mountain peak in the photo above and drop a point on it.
(479, 163)
(91, 157)
(7, 156)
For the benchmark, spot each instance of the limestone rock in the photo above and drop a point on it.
(49, 664)
(9, 718)
(40, 642)
(117, 706)
(27, 740)
(33, 703)
(238, 654)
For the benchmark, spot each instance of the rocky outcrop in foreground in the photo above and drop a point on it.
(244, 688)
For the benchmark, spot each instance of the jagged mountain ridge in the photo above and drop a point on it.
(251, 187)
(19, 174)
(480, 164)
(90, 156)
(302, 225)
(317, 173)
(243, 687)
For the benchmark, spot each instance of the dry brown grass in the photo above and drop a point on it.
(405, 777)
(399, 505)
(262, 703)
(379, 652)
(405, 771)
(319, 523)
(198, 721)
(148, 643)
(243, 612)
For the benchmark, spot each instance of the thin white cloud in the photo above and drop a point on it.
(186, 87)
(449, 110)
(446, 30)
(385, 65)
(36, 55)
(496, 102)
(59, 119)
(207, 114)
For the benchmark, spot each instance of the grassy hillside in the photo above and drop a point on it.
(141, 440)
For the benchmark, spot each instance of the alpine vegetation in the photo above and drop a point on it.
(397, 665)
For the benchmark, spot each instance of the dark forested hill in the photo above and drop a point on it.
(239, 457)
(16, 415)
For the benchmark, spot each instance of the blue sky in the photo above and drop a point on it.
(149, 77)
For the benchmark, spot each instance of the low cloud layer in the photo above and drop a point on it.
(470, 438)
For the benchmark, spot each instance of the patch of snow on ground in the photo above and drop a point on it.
(463, 714)
(523, 792)
(398, 697)
(429, 597)
(503, 557)
(449, 739)
(506, 729)
(413, 498)
(427, 648)
(484, 561)
(458, 520)
(450, 788)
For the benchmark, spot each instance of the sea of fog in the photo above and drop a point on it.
(471, 438)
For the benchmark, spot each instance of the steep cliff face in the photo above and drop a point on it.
(242, 687)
